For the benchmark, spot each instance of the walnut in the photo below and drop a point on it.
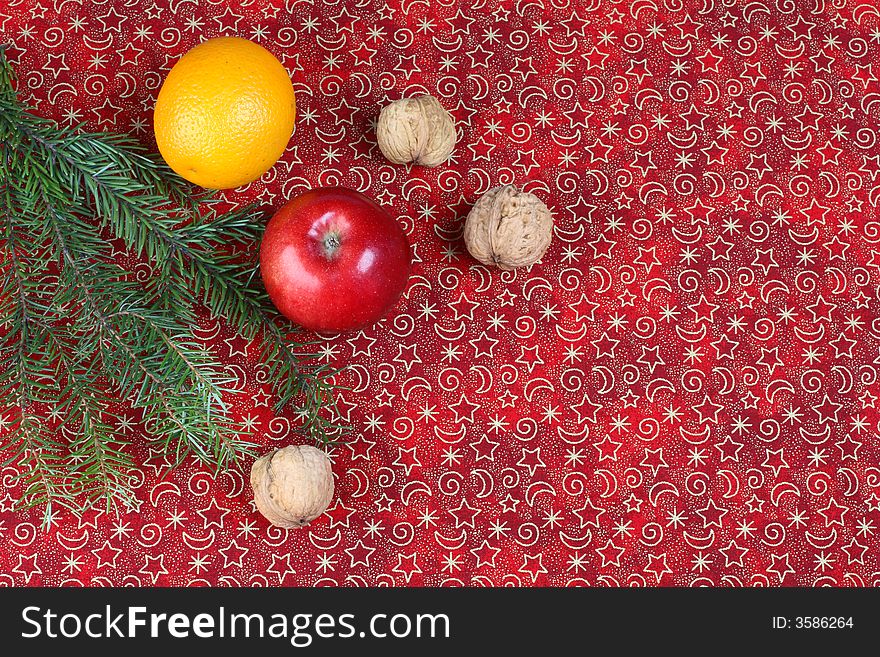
(416, 130)
(508, 228)
(292, 486)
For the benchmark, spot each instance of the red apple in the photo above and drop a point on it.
(333, 260)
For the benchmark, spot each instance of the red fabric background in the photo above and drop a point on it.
(682, 392)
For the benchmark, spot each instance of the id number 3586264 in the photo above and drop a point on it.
(813, 623)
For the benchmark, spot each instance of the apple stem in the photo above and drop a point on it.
(331, 244)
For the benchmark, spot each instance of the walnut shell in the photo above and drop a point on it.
(508, 228)
(292, 486)
(416, 130)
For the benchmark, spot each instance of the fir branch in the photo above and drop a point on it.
(79, 334)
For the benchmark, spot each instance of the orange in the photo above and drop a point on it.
(225, 113)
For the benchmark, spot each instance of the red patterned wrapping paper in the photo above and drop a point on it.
(682, 392)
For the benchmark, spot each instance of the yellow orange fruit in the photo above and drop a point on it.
(225, 113)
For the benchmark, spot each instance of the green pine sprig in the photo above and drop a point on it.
(79, 334)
